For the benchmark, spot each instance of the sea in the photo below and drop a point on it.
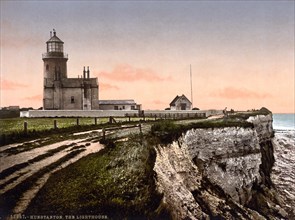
(284, 122)
(283, 173)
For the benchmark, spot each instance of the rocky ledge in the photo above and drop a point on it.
(220, 172)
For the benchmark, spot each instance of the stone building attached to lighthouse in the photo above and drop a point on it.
(61, 92)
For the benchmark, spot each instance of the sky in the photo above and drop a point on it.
(241, 52)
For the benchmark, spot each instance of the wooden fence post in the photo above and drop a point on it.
(103, 134)
(140, 130)
(77, 121)
(54, 124)
(95, 120)
(26, 127)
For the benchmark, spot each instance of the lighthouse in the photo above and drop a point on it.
(55, 69)
(61, 92)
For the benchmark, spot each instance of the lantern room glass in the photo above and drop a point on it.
(55, 47)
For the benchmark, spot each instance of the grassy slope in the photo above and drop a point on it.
(117, 181)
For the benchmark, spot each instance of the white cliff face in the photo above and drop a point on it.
(263, 126)
(229, 157)
(187, 195)
(211, 172)
(177, 177)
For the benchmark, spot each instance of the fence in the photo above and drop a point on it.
(151, 116)
(119, 113)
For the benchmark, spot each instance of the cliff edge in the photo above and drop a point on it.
(190, 169)
(220, 172)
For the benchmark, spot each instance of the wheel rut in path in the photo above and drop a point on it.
(23, 174)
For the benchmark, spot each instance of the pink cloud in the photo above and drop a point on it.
(106, 86)
(11, 85)
(159, 102)
(240, 93)
(125, 72)
(34, 98)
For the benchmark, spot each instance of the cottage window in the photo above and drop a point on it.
(123, 107)
(116, 107)
(132, 107)
(72, 99)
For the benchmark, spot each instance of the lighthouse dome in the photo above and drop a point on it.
(54, 44)
(54, 38)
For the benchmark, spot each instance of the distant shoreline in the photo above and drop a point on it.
(283, 130)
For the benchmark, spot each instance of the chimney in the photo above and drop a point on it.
(88, 72)
(84, 73)
(50, 34)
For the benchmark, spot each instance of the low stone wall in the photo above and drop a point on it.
(119, 113)
(181, 113)
(77, 113)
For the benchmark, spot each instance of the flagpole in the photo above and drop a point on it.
(191, 86)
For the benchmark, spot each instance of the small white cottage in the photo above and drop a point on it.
(181, 103)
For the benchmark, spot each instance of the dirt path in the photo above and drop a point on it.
(25, 167)
(23, 174)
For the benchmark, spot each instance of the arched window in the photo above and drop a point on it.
(47, 67)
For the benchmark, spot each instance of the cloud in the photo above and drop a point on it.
(240, 93)
(106, 86)
(125, 72)
(34, 98)
(11, 85)
(159, 102)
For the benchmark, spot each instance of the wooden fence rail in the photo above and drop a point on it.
(143, 117)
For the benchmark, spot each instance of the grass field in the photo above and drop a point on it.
(11, 125)
(16, 125)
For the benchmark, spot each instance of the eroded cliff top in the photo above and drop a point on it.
(168, 130)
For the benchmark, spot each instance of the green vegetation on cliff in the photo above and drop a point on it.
(168, 131)
(118, 182)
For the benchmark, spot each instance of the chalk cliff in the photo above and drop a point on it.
(220, 172)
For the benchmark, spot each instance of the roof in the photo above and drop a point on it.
(117, 102)
(174, 100)
(177, 98)
(54, 38)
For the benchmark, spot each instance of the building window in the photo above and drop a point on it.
(116, 107)
(72, 99)
(132, 107)
(47, 67)
(123, 107)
